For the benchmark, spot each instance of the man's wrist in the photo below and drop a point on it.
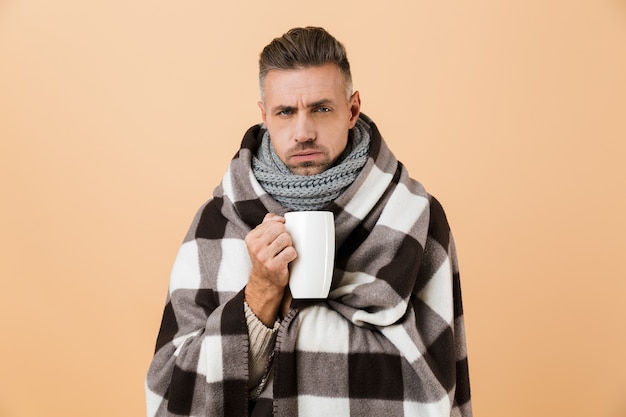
(264, 303)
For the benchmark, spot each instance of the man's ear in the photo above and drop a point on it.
(355, 108)
(263, 113)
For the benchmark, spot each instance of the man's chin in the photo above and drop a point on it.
(308, 168)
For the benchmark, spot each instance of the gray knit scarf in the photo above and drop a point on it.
(311, 192)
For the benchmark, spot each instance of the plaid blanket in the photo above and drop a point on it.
(389, 340)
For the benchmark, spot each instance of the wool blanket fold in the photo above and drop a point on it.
(389, 340)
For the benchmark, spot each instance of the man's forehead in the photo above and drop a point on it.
(314, 84)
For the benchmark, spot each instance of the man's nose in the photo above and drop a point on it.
(304, 128)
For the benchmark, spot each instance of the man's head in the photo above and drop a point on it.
(307, 102)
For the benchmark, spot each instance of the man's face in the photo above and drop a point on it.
(308, 116)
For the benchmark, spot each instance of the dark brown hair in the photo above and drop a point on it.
(304, 48)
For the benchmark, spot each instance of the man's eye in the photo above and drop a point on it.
(286, 112)
(323, 109)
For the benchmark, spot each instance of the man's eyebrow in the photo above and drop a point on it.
(319, 103)
(287, 108)
(279, 108)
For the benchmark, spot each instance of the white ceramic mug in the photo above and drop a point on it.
(313, 237)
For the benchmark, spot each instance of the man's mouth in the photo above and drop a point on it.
(305, 155)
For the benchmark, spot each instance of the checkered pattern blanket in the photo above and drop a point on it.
(389, 340)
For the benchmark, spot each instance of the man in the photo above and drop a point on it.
(389, 340)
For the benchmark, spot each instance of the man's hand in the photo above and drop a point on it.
(270, 249)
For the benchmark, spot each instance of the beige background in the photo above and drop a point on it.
(118, 118)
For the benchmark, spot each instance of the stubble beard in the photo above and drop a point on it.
(308, 168)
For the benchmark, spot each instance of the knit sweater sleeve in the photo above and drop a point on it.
(262, 341)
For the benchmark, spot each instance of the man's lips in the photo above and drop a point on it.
(306, 155)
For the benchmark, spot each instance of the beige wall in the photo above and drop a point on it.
(117, 119)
